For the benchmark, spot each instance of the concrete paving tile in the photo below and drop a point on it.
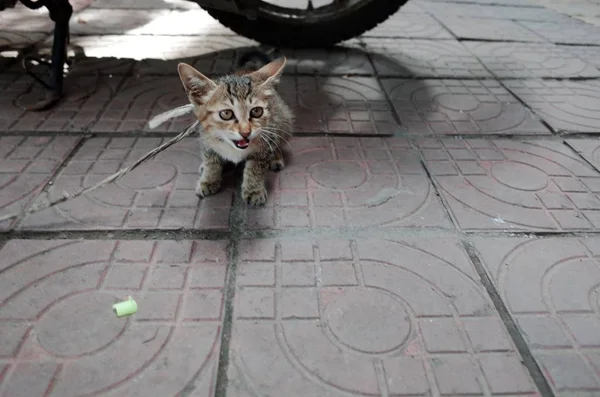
(412, 7)
(516, 3)
(573, 7)
(215, 55)
(161, 47)
(567, 106)
(57, 302)
(441, 10)
(410, 25)
(423, 58)
(157, 195)
(145, 5)
(17, 40)
(492, 29)
(216, 61)
(551, 288)
(590, 150)
(138, 100)
(338, 105)
(26, 165)
(79, 5)
(346, 59)
(590, 20)
(530, 60)
(349, 182)
(436, 107)
(222, 52)
(569, 31)
(22, 19)
(102, 66)
(510, 185)
(394, 327)
(109, 21)
(85, 97)
(589, 54)
(303, 4)
(147, 22)
(79, 64)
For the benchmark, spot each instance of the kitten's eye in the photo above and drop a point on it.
(256, 112)
(226, 114)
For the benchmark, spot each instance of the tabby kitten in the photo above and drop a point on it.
(242, 118)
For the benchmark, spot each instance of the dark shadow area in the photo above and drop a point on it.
(334, 91)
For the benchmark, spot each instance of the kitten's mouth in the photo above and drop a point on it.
(242, 143)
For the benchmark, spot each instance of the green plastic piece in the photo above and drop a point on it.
(125, 308)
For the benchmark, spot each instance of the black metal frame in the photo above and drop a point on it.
(60, 12)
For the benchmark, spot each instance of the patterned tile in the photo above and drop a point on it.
(557, 307)
(346, 59)
(26, 165)
(338, 316)
(349, 182)
(523, 60)
(85, 97)
(589, 54)
(17, 40)
(58, 330)
(492, 29)
(589, 149)
(567, 106)
(590, 20)
(459, 107)
(423, 58)
(103, 66)
(79, 62)
(409, 25)
(147, 22)
(566, 32)
(145, 5)
(442, 10)
(510, 185)
(22, 19)
(146, 47)
(519, 3)
(222, 54)
(157, 195)
(139, 99)
(573, 7)
(339, 105)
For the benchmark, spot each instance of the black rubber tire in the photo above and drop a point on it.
(280, 33)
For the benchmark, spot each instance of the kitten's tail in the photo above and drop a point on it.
(170, 114)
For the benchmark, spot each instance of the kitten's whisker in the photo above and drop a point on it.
(266, 136)
(265, 141)
(278, 136)
(271, 139)
(273, 131)
(281, 130)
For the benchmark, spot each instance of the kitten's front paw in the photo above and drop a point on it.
(277, 165)
(255, 197)
(207, 188)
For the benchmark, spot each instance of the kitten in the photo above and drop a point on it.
(243, 119)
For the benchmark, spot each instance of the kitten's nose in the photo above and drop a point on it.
(245, 131)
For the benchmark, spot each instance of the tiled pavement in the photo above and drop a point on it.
(436, 231)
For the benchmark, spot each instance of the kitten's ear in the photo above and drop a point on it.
(270, 72)
(196, 85)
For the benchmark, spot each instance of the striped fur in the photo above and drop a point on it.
(246, 137)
